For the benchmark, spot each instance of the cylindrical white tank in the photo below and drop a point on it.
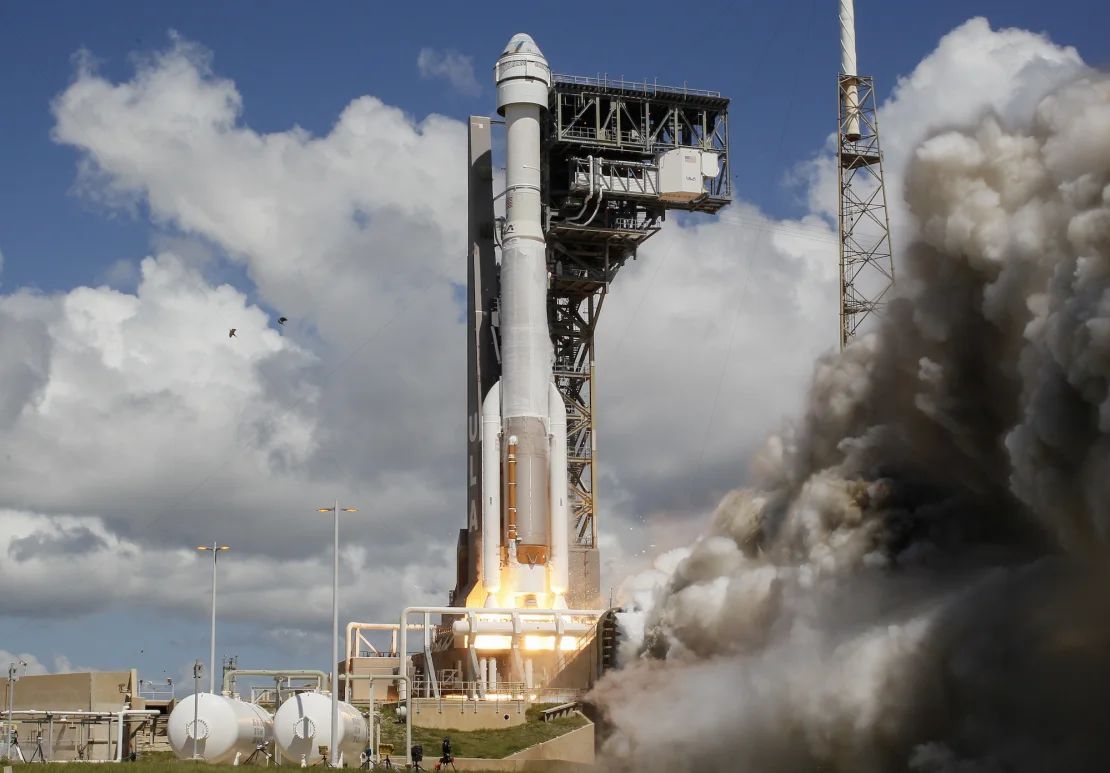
(303, 724)
(224, 727)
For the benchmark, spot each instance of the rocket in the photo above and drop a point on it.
(524, 420)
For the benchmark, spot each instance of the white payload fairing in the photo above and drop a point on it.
(524, 449)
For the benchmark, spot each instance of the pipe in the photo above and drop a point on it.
(232, 674)
(352, 646)
(119, 716)
(560, 629)
(403, 653)
(529, 627)
(517, 665)
(510, 489)
(119, 736)
(848, 68)
(597, 207)
(96, 714)
(408, 714)
(431, 681)
(558, 557)
(491, 489)
(586, 203)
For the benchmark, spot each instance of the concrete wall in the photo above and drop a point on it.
(467, 715)
(575, 746)
(360, 688)
(570, 752)
(583, 670)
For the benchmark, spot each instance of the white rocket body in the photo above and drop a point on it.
(848, 67)
(524, 514)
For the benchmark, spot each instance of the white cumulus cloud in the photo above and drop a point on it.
(451, 66)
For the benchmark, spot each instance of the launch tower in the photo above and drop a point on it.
(866, 257)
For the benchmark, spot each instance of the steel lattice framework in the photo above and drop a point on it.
(584, 262)
(866, 256)
(610, 132)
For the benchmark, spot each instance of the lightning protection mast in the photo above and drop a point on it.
(866, 256)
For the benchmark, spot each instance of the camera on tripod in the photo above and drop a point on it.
(417, 753)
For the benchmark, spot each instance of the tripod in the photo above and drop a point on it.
(260, 749)
(37, 752)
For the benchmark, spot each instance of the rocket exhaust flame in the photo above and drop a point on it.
(919, 579)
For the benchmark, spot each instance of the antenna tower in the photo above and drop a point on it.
(866, 256)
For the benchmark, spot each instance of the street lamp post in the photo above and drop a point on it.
(216, 549)
(335, 510)
(196, 704)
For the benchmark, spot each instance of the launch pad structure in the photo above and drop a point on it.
(616, 155)
(592, 166)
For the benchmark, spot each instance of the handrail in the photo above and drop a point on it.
(307, 673)
(354, 633)
(558, 711)
(645, 86)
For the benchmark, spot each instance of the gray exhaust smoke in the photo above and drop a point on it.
(919, 580)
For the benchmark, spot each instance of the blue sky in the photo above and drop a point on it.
(300, 64)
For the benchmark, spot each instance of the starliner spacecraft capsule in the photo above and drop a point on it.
(524, 451)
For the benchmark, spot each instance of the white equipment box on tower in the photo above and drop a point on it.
(682, 173)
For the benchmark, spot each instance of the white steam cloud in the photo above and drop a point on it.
(455, 68)
(917, 580)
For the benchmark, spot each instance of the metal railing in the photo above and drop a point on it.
(562, 710)
(504, 692)
(645, 86)
(155, 691)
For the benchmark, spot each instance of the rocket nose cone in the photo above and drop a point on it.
(522, 43)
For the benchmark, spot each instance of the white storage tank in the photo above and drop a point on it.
(224, 728)
(303, 724)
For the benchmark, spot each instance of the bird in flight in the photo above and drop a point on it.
(282, 320)
(231, 333)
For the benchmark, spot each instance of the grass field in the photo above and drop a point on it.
(488, 744)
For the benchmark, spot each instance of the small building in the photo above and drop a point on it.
(72, 716)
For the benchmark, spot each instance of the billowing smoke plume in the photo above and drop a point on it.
(919, 580)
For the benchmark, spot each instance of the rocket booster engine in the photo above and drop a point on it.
(524, 451)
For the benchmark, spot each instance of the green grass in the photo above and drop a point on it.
(486, 744)
(151, 763)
